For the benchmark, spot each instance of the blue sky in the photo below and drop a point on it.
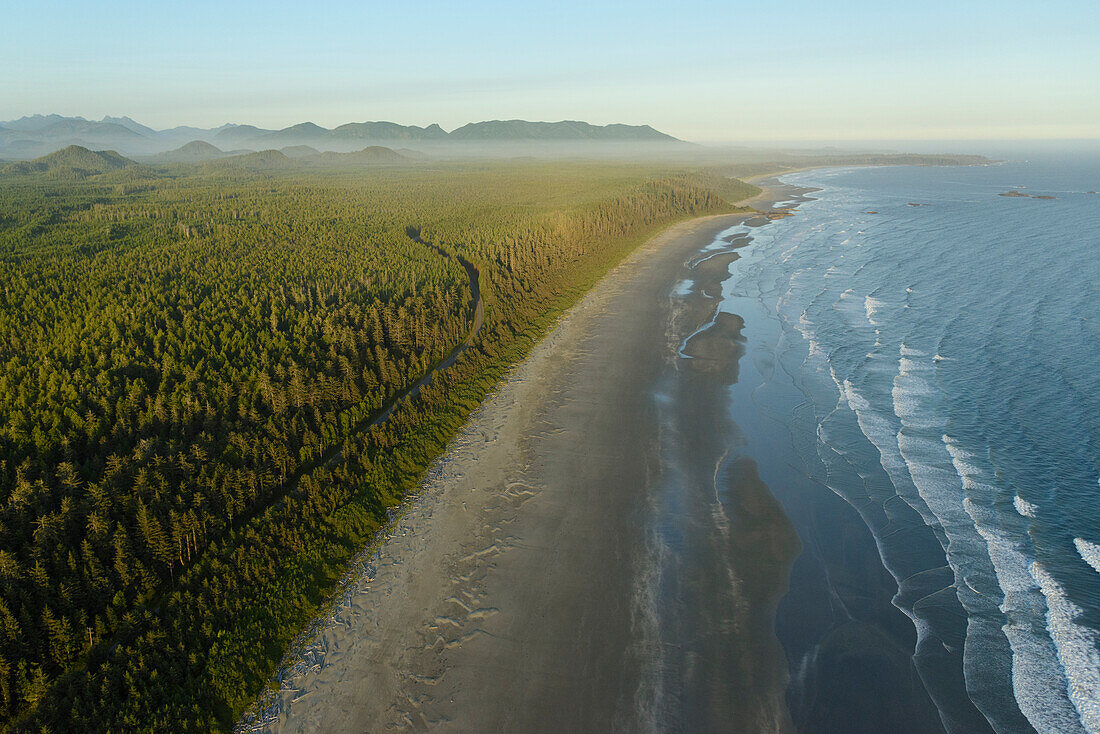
(708, 71)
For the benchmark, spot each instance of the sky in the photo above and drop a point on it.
(706, 71)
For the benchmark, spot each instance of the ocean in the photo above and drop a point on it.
(926, 353)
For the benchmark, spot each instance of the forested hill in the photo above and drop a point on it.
(190, 370)
(194, 152)
(73, 161)
(78, 162)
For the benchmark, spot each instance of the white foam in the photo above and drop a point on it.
(952, 491)
(1037, 677)
(963, 462)
(854, 310)
(1024, 507)
(806, 328)
(1078, 648)
(918, 373)
(882, 433)
(913, 389)
(1090, 552)
(978, 555)
(786, 255)
(872, 306)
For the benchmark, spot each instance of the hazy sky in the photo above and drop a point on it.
(707, 71)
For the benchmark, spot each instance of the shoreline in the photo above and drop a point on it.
(598, 549)
(838, 618)
(373, 609)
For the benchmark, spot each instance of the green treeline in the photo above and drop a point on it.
(190, 366)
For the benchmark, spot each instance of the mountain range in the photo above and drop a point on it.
(38, 135)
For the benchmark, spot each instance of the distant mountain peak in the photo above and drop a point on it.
(31, 123)
(383, 130)
(130, 124)
(564, 130)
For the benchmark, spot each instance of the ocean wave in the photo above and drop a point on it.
(913, 393)
(1078, 648)
(853, 309)
(1090, 552)
(949, 486)
(804, 322)
(1038, 682)
(1022, 641)
(805, 327)
(872, 306)
(1024, 507)
(963, 461)
(917, 378)
(882, 432)
(787, 254)
(1046, 709)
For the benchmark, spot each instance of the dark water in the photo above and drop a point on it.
(921, 391)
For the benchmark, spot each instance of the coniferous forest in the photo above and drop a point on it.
(194, 363)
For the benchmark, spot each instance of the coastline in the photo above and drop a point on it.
(598, 548)
(908, 444)
(838, 622)
(436, 600)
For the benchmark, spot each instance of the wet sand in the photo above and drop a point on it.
(596, 550)
(531, 586)
(850, 649)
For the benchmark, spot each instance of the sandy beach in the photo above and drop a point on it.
(531, 585)
(597, 551)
